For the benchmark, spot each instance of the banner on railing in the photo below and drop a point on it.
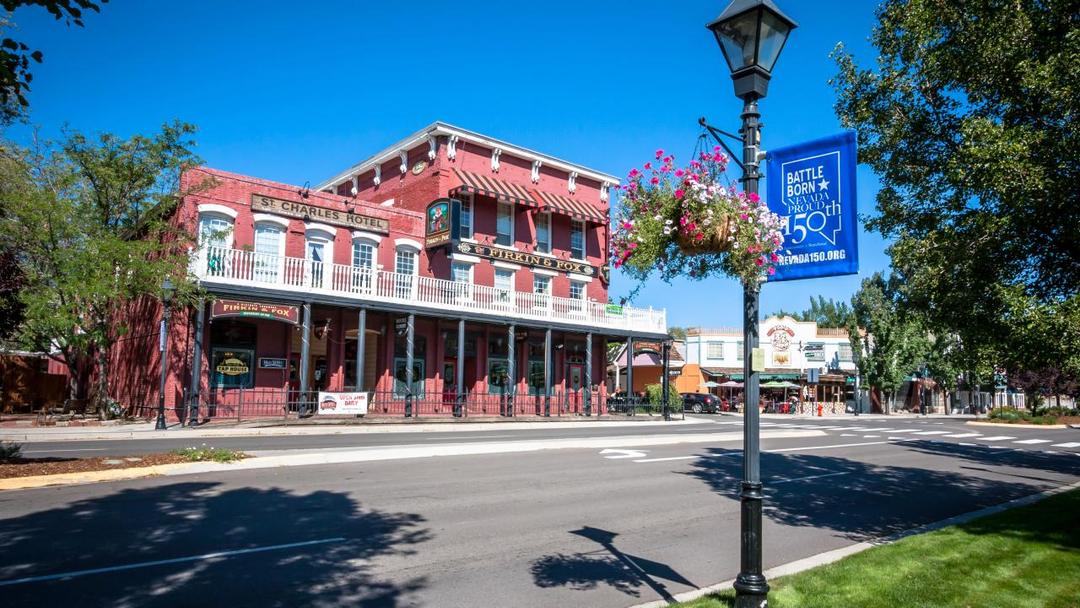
(343, 404)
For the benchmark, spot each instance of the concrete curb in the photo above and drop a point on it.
(1005, 425)
(338, 456)
(67, 434)
(829, 557)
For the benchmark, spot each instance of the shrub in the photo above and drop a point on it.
(9, 450)
(205, 453)
(654, 395)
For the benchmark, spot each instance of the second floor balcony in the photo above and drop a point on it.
(358, 285)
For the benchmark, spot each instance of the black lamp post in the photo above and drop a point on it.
(166, 300)
(751, 34)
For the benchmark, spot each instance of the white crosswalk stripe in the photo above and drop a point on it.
(904, 431)
(1071, 444)
(1032, 441)
(961, 435)
(880, 429)
(932, 433)
(997, 438)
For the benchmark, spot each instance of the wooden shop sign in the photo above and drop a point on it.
(268, 204)
(526, 259)
(274, 312)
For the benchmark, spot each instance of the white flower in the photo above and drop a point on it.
(658, 217)
(668, 222)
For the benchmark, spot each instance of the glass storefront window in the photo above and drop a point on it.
(232, 368)
(400, 381)
(498, 376)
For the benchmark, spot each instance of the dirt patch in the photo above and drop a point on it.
(27, 467)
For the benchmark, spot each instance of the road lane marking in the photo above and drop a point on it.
(612, 454)
(1071, 444)
(970, 445)
(1032, 441)
(878, 429)
(829, 447)
(932, 433)
(163, 562)
(773, 483)
(962, 435)
(997, 438)
(903, 431)
(688, 457)
(871, 436)
(848, 435)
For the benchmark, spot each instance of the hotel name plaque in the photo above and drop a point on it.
(277, 206)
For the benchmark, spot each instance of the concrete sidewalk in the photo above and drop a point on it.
(896, 416)
(145, 430)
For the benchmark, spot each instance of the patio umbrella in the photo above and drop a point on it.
(731, 384)
(711, 384)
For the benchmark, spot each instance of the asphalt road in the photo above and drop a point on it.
(560, 528)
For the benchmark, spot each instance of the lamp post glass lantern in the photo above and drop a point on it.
(166, 301)
(751, 34)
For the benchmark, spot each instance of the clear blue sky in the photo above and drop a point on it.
(296, 91)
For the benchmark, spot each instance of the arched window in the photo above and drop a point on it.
(365, 255)
(269, 247)
(215, 239)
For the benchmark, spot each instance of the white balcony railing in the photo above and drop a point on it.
(237, 267)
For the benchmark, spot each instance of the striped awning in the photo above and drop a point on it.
(572, 207)
(493, 187)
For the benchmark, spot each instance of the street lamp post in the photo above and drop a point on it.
(751, 34)
(163, 347)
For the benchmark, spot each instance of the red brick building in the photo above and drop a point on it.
(450, 273)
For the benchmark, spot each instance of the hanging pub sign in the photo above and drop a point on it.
(439, 221)
(812, 187)
(222, 309)
(526, 259)
(313, 213)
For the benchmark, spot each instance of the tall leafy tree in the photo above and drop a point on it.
(88, 220)
(826, 312)
(970, 119)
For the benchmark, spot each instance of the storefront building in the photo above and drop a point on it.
(792, 349)
(448, 274)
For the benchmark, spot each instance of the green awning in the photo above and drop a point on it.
(763, 377)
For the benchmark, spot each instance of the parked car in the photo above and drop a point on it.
(701, 403)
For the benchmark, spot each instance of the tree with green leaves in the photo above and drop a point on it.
(88, 220)
(970, 119)
(892, 344)
(826, 312)
(16, 56)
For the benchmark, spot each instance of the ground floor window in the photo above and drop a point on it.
(232, 368)
(536, 376)
(498, 376)
(401, 382)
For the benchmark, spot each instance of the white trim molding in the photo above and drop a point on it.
(580, 278)
(465, 258)
(506, 265)
(360, 235)
(268, 218)
(495, 152)
(544, 272)
(310, 227)
(378, 175)
(605, 191)
(408, 244)
(404, 156)
(536, 171)
(433, 147)
(218, 209)
(451, 147)
(571, 182)
(355, 185)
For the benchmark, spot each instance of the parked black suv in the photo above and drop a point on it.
(701, 403)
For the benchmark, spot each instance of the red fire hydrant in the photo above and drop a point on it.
(819, 410)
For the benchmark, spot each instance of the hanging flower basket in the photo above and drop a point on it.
(690, 221)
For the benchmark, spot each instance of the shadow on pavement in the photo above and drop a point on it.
(859, 500)
(195, 519)
(1031, 460)
(608, 566)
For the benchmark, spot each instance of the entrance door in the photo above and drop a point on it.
(449, 376)
(316, 256)
(575, 385)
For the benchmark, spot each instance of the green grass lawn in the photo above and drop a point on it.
(1025, 557)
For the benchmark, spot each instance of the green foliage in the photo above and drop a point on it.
(970, 121)
(893, 344)
(654, 395)
(205, 453)
(16, 56)
(1011, 416)
(677, 333)
(88, 222)
(826, 312)
(10, 450)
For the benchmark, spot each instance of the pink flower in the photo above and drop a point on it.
(648, 166)
(667, 160)
(743, 217)
(760, 261)
(772, 270)
(659, 153)
(665, 168)
(774, 257)
(627, 225)
(716, 149)
(679, 193)
(634, 173)
(678, 173)
(691, 226)
(654, 181)
(632, 246)
(699, 237)
(750, 249)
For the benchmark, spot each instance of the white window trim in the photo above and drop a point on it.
(281, 241)
(218, 209)
(584, 239)
(505, 265)
(513, 217)
(469, 200)
(546, 214)
(544, 272)
(580, 278)
(465, 258)
(360, 235)
(513, 284)
(408, 244)
(266, 218)
(330, 231)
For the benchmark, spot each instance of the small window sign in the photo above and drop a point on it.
(272, 363)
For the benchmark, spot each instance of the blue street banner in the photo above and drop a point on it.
(811, 186)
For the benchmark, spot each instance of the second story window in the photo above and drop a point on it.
(739, 350)
(543, 232)
(504, 285)
(577, 296)
(466, 217)
(405, 267)
(462, 276)
(714, 350)
(505, 225)
(577, 239)
(542, 290)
